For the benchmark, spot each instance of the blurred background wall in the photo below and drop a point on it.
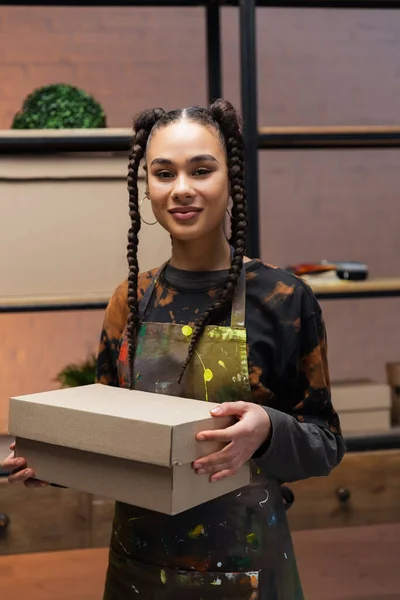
(315, 68)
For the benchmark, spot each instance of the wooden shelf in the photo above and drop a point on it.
(111, 139)
(329, 137)
(370, 288)
(45, 304)
(333, 290)
(48, 141)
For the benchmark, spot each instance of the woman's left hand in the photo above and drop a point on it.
(243, 439)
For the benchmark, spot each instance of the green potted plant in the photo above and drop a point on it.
(59, 106)
(77, 374)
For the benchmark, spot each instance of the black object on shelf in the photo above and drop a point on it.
(345, 270)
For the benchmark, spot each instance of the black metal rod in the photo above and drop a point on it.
(388, 440)
(214, 60)
(48, 145)
(133, 3)
(357, 295)
(49, 307)
(248, 75)
(341, 4)
(329, 140)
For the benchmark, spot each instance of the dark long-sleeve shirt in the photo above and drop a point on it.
(287, 358)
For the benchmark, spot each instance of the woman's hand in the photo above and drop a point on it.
(22, 474)
(252, 430)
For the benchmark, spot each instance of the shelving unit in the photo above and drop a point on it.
(256, 138)
(335, 290)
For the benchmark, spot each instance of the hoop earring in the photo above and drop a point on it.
(140, 206)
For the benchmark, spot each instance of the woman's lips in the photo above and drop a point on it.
(185, 213)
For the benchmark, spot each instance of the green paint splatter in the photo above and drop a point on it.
(243, 562)
(163, 576)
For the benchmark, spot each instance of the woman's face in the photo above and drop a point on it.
(188, 180)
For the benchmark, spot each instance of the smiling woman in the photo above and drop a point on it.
(212, 325)
(198, 182)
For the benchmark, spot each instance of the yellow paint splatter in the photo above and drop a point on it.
(251, 537)
(163, 576)
(222, 364)
(187, 330)
(198, 530)
(208, 375)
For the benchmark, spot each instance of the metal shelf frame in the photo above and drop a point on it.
(253, 138)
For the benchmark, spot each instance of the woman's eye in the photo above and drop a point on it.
(164, 174)
(202, 171)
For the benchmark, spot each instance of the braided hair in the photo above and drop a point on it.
(224, 120)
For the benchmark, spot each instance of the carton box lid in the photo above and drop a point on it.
(145, 427)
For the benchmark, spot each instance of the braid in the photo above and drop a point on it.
(143, 124)
(222, 117)
(226, 119)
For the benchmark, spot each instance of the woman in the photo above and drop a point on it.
(213, 325)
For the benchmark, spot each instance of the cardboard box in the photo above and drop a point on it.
(130, 446)
(363, 406)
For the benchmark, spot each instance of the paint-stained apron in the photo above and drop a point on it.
(236, 547)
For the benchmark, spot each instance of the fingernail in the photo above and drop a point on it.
(20, 462)
(28, 472)
(43, 483)
(200, 471)
(201, 438)
(216, 411)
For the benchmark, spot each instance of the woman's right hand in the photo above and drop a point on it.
(22, 475)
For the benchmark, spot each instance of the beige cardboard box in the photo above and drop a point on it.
(363, 406)
(130, 446)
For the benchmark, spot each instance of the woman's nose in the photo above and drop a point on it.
(182, 189)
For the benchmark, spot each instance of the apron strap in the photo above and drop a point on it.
(238, 313)
(238, 303)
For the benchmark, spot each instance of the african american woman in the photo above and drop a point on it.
(211, 324)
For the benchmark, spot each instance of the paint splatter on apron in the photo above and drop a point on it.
(236, 547)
